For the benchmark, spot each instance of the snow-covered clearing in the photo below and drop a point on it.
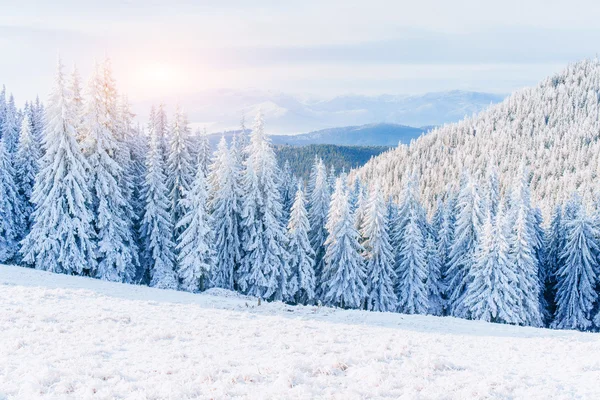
(69, 337)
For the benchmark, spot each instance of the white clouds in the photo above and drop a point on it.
(324, 47)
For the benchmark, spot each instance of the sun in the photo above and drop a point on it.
(160, 74)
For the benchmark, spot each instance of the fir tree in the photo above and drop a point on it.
(379, 254)
(577, 276)
(61, 238)
(195, 258)
(264, 270)
(491, 294)
(225, 208)
(523, 257)
(10, 128)
(318, 208)
(435, 283)
(157, 228)
(411, 258)
(344, 274)
(180, 169)
(302, 256)
(555, 247)
(116, 250)
(10, 214)
(27, 167)
(466, 236)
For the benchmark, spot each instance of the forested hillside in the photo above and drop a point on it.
(342, 158)
(553, 128)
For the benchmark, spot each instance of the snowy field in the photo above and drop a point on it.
(64, 337)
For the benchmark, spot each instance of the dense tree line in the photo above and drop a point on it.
(553, 127)
(84, 192)
(342, 158)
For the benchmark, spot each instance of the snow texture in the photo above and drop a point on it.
(66, 337)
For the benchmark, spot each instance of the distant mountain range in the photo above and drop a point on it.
(222, 110)
(365, 135)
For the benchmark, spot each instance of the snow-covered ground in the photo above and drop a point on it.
(64, 337)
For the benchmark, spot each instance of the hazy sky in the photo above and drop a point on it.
(325, 48)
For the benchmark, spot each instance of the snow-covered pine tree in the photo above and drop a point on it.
(180, 171)
(116, 249)
(264, 266)
(10, 212)
(77, 104)
(2, 107)
(469, 217)
(493, 189)
(344, 271)
(61, 237)
(318, 208)
(378, 253)
(302, 256)
(161, 125)
(435, 283)
(26, 168)
(411, 258)
(204, 151)
(138, 145)
(10, 128)
(288, 188)
(555, 243)
(492, 294)
(225, 205)
(331, 178)
(523, 259)
(577, 275)
(157, 228)
(195, 252)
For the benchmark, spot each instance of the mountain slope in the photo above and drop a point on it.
(72, 337)
(554, 128)
(364, 135)
(301, 158)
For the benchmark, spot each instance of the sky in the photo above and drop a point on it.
(313, 48)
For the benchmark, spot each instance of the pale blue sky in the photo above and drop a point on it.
(323, 48)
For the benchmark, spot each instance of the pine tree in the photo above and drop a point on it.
(523, 259)
(302, 256)
(116, 249)
(10, 128)
(10, 214)
(344, 272)
(195, 258)
(288, 188)
(379, 254)
(411, 258)
(61, 237)
(466, 236)
(77, 104)
(491, 294)
(555, 247)
(157, 227)
(27, 167)
(577, 276)
(180, 169)
(318, 208)
(204, 152)
(264, 270)
(225, 207)
(435, 283)
(493, 190)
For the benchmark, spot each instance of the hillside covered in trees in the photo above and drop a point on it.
(341, 158)
(553, 128)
